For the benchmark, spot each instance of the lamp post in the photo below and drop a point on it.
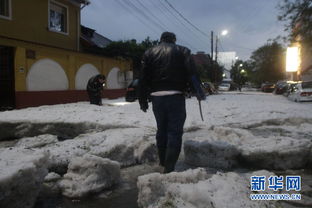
(223, 33)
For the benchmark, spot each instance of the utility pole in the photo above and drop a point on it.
(211, 45)
(217, 48)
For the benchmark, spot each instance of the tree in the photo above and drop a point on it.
(298, 17)
(208, 70)
(216, 72)
(239, 73)
(267, 63)
(129, 49)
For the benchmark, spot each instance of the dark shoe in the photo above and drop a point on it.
(172, 156)
(161, 155)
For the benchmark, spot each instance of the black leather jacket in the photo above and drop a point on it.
(166, 66)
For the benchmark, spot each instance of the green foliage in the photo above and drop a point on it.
(298, 17)
(240, 72)
(129, 49)
(211, 72)
(267, 64)
(215, 74)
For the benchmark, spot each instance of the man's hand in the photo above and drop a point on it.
(144, 106)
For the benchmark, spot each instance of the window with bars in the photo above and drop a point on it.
(5, 8)
(57, 17)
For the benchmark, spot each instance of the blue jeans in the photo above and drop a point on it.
(170, 115)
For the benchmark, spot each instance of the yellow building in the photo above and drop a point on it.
(40, 57)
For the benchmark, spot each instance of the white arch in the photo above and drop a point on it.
(84, 73)
(46, 75)
(115, 79)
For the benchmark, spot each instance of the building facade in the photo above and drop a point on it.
(227, 60)
(40, 57)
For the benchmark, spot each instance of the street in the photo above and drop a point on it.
(260, 127)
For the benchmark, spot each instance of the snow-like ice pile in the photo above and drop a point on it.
(128, 146)
(255, 127)
(214, 154)
(89, 174)
(268, 147)
(37, 141)
(195, 189)
(22, 172)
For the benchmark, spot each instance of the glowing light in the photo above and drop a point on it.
(292, 59)
(120, 103)
(224, 32)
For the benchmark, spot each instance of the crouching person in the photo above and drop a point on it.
(167, 72)
(95, 89)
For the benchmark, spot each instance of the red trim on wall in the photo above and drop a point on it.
(36, 98)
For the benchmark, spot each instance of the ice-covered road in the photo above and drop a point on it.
(250, 126)
(219, 109)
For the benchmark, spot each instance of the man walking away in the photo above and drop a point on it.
(95, 88)
(168, 70)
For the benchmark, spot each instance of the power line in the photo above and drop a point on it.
(134, 14)
(137, 12)
(180, 22)
(133, 6)
(168, 18)
(199, 30)
(151, 13)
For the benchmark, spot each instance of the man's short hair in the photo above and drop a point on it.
(168, 37)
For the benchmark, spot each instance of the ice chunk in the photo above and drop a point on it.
(38, 141)
(89, 174)
(280, 153)
(153, 186)
(22, 173)
(214, 154)
(222, 190)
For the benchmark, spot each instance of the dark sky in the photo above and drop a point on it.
(250, 22)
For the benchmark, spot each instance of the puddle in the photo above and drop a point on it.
(125, 195)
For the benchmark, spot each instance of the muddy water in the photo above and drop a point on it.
(123, 196)
(127, 199)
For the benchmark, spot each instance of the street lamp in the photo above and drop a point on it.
(224, 32)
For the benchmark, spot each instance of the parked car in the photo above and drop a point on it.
(282, 87)
(267, 87)
(132, 91)
(301, 92)
(290, 88)
(224, 86)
